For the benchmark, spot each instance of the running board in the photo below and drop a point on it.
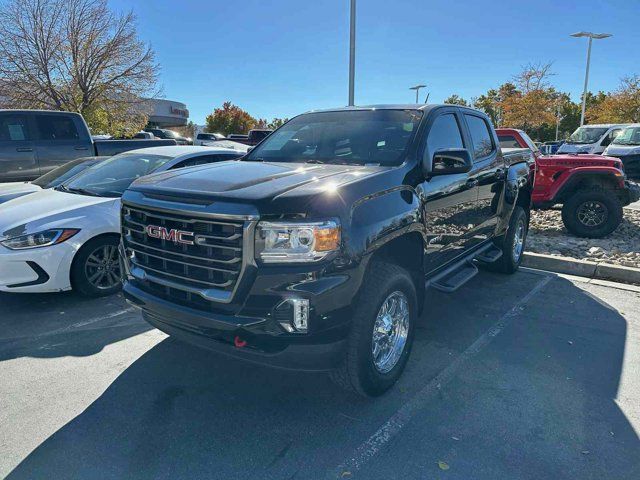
(452, 278)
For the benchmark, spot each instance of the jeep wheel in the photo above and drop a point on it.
(592, 213)
(382, 332)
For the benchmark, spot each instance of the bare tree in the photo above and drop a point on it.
(74, 55)
(534, 76)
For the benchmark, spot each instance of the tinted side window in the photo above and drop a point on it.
(508, 141)
(611, 136)
(444, 133)
(13, 127)
(56, 127)
(480, 136)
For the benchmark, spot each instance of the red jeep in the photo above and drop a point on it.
(592, 189)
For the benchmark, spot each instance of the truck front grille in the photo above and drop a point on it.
(210, 259)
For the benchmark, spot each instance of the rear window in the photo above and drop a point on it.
(56, 127)
(508, 141)
(480, 136)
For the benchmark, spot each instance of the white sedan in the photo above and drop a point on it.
(67, 237)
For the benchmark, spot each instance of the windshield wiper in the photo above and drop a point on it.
(83, 191)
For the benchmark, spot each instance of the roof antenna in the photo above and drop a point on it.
(426, 100)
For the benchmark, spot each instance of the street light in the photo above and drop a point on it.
(417, 89)
(591, 36)
(352, 52)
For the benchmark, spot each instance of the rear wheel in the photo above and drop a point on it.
(512, 243)
(592, 213)
(382, 332)
(96, 270)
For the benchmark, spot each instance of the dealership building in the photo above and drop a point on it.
(167, 113)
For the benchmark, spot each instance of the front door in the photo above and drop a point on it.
(17, 150)
(450, 201)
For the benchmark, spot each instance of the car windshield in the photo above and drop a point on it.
(171, 134)
(628, 136)
(357, 137)
(587, 134)
(64, 172)
(112, 177)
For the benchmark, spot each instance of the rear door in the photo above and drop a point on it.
(488, 172)
(60, 138)
(17, 151)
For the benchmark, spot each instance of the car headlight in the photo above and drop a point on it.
(296, 241)
(40, 239)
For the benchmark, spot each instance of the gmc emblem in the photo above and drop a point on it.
(173, 235)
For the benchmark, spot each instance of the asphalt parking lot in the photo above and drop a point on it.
(529, 376)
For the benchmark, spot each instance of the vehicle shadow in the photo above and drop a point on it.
(182, 412)
(63, 324)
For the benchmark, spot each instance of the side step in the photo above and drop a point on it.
(451, 280)
(457, 275)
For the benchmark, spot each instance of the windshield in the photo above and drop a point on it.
(628, 136)
(171, 134)
(358, 137)
(112, 177)
(64, 172)
(587, 134)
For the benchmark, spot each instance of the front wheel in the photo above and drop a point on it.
(382, 332)
(592, 213)
(96, 270)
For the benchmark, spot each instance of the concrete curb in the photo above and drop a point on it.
(581, 268)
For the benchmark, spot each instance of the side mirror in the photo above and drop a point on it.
(451, 161)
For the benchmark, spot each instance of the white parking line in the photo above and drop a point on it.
(396, 423)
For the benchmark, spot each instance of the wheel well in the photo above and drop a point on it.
(407, 252)
(587, 183)
(102, 235)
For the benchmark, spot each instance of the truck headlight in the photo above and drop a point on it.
(296, 241)
(40, 239)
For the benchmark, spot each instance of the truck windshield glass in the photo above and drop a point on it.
(628, 136)
(358, 137)
(587, 134)
(113, 176)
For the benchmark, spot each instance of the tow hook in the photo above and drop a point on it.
(239, 343)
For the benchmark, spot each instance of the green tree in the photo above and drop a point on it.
(230, 119)
(456, 100)
(276, 123)
(619, 106)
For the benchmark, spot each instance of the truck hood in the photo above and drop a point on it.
(622, 150)
(16, 189)
(245, 181)
(49, 208)
(577, 147)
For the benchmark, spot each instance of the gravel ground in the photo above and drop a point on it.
(548, 235)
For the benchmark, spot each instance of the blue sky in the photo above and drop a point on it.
(278, 58)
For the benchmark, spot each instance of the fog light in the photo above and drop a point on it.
(293, 315)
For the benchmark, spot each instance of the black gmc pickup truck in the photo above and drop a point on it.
(313, 251)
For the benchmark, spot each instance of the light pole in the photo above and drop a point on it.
(417, 89)
(591, 36)
(352, 52)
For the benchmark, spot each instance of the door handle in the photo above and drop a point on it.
(24, 149)
(80, 147)
(472, 182)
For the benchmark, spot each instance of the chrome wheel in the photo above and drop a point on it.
(518, 240)
(592, 213)
(102, 267)
(390, 332)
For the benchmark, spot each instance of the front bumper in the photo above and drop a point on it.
(256, 339)
(36, 270)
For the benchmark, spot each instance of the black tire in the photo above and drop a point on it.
(82, 269)
(509, 262)
(581, 213)
(358, 372)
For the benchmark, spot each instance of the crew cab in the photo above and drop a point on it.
(33, 142)
(592, 189)
(314, 250)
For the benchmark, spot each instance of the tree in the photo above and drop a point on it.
(533, 103)
(277, 123)
(76, 55)
(619, 106)
(230, 119)
(456, 100)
